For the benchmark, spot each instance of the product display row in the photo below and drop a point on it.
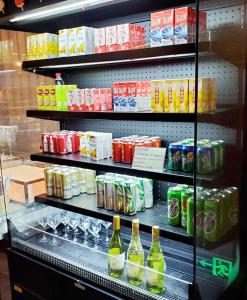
(169, 96)
(210, 155)
(216, 211)
(67, 182)
(123, 193)
(168, 27)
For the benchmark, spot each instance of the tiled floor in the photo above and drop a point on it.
(4, 278)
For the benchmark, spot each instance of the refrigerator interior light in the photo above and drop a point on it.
(56, 9)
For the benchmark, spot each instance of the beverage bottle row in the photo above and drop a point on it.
(155, 263)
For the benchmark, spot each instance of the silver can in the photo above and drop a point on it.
(148, 192)
(108, 194)
(100, 181)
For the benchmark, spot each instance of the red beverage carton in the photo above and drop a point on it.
(83, 100)
(70, 96)
(95, 97)
(130, 36)
(100, 40)
(108, 99)
(78, 99)
(111, 39)
(202, 21)
(88, 100)
(184, 25)
(116, 100)
(102, 99)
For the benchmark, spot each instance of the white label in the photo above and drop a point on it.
(152, 276)
(149, 158)
(116, 262)
(133, 270)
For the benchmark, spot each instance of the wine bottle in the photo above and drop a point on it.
(135, 257)
(155, 265)
(116, 251)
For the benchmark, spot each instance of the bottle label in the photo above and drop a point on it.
(134, 268)
(116, 262)
(152, 276)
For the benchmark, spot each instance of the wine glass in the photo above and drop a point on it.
(107, 226)
(43, 222)
(94, 229)
(65, 221)
(84, 224)
(73, 222)
(53, 222)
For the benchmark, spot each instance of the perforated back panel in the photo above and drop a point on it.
(225, 73)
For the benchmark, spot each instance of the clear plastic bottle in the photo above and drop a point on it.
(59, 79)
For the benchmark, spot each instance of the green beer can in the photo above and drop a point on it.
(204, 158)
(199, 216)
(100, 182)
(222, 152)
(174, 208)
(129, 204)
(190, 216)
(175, 156)
(212, 210)
(216, 149)
(118, 191)
(185, 195)
(140, 196)
(188, 157)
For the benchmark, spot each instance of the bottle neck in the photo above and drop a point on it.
(135, 237)
(155, 245)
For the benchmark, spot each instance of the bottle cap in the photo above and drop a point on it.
(116, 222)
(58, 74)
(155, 232)
(135, 227)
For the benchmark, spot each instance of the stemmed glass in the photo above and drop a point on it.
(73, 222)
(43, 222)
(53, 222)
(84, 224)
(94, 229)
(106, 225)
(65, 221)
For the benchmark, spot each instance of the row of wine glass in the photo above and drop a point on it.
(74, 227)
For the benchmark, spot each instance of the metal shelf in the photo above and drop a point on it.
(86, 204)
(107, 165)
(223, 116)
(127, 57)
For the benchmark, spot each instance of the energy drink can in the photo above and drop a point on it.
(174, 200)
(108, 194)
(204, 158)
(185, 195)
(49, 181)
(212, 210)
(129, 204)
(188, 157)
(67, 184)
(118, 191)
(175, 156)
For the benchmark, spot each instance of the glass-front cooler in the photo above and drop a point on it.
(138, 115)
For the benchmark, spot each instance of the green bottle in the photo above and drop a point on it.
(135, 257)
(116, 251)
(155, 265)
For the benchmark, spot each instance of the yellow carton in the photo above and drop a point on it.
(34, 43)
(72, 41)
(29, 47)
(192, 95)
(157, 95)
(202, 98)
(54, 45)
(170, 87)
(63, 42)
(40, 100)
(182, 96)
(212, 95)
(53, 96)
(46, 97)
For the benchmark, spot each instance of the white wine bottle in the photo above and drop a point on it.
(135, 257)
(155, 265)
(116, 251)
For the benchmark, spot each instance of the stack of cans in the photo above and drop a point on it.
(216, 211)
(210, 156)
(67, 182)
(123, 148)
(124, 193)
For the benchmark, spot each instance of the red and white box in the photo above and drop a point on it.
(88, 101)
(146, 96)
(78, 99)
(185, 25)
(100, 40)
(130, 36)
(71, 100)
(111, 39)
(95, 100)
(156, 27)
(108, 99)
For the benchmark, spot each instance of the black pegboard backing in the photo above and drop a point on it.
(168, 131)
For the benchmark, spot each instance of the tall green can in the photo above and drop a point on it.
(185, 195)
(200, 202)
(173, 201)
(212, 210)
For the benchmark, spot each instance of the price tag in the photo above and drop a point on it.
(149, 158)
